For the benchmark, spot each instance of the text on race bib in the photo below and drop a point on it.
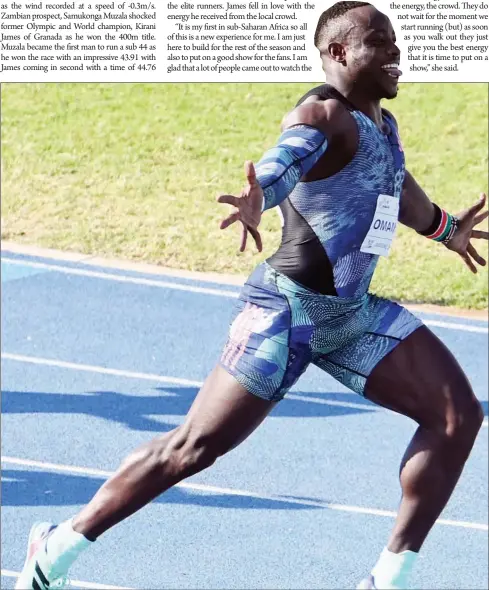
(383, 227)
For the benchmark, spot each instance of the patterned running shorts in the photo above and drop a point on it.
(279, 327)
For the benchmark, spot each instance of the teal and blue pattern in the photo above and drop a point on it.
(280, 169)
(280, 326)
(340, 209)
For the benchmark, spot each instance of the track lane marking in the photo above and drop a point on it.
(315, 503)
(192, 289)
(180, 381)
(74, 583)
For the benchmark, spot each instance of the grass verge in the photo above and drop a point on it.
(132, 171)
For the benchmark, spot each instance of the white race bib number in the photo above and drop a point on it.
(381, 233)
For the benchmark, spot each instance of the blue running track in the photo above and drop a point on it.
(97, 360)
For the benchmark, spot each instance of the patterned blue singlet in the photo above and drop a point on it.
(309, 303)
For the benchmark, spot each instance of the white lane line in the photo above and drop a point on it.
(463, 327)
(57, 467)
(332, 402)
(141, 268)
(215, 278)
(123, 278)
(177, 381)
(192, 289)
(103, 370)
(74, 583)
(317, 503)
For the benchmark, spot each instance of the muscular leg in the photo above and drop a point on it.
(421, 379)
(222, 416)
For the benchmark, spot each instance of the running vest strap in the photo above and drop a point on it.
(324, 92)
(280, 169)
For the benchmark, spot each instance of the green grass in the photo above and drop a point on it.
(132, 171)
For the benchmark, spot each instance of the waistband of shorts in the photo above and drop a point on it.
(290, 288)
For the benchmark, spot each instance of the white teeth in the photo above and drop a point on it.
(390, 66)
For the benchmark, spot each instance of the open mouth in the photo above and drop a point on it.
(392, 70)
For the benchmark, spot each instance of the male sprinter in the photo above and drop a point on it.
(338, 175)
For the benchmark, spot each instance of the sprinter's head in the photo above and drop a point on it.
(358, 48)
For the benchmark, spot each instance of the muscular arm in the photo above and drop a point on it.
(416, 209)
(456, 232)
(307, 132)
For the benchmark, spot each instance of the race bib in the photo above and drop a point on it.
(381, 233)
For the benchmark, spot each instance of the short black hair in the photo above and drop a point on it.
(323, 28)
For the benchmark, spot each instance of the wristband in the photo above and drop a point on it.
(443, 227)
